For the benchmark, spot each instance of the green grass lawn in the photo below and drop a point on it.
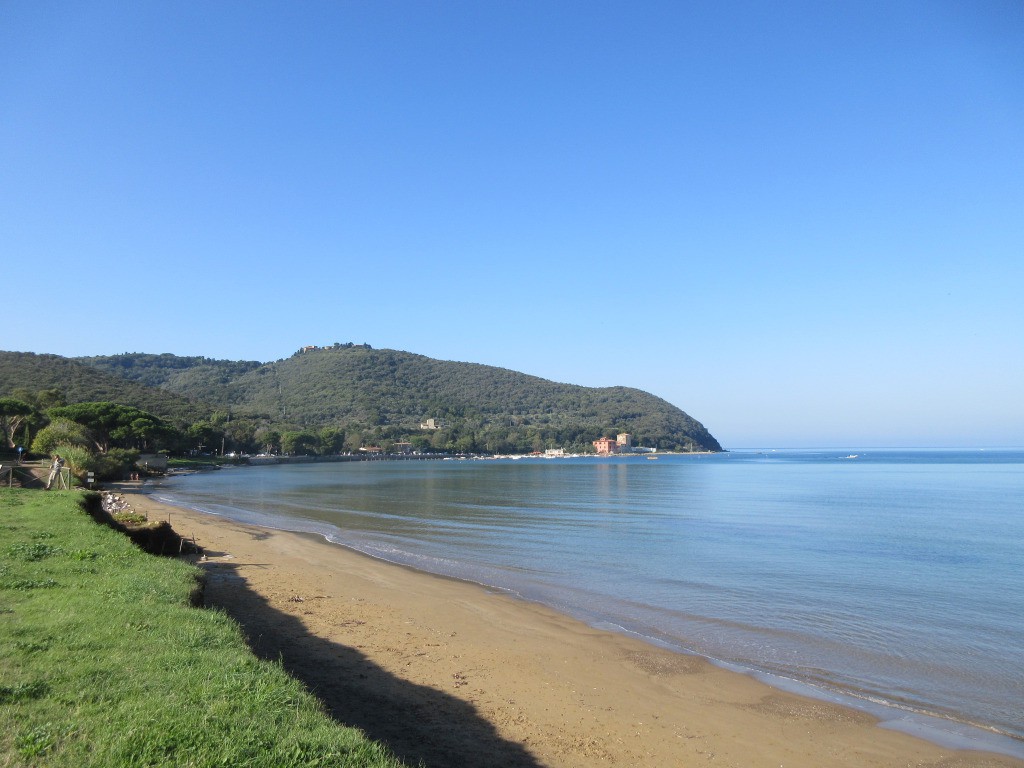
(103, 662)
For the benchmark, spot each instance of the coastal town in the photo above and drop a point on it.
(620, 445)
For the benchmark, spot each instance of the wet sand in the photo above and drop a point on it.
(452, 674)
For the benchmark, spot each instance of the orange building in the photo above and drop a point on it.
(606, 446)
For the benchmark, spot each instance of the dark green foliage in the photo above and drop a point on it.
(389, 393)
(301, 443)
(199, 378)
(114, 464)
(71, 381)
(58, 434)
(13, 413)
(324, 400)
(111, 424)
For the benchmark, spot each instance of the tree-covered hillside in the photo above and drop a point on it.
(387, 394)
(74, 382)
(346, 397)
(399, 389)
(198, 378)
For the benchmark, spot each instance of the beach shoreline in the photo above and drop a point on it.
(450, 672)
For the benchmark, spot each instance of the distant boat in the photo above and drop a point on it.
(652, 458)
(851, 456)
(263, 458)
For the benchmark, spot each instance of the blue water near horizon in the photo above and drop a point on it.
(892, 578)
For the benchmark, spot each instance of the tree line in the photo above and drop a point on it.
(326, 400)
(107, 437)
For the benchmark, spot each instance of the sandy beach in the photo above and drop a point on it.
(452, 674)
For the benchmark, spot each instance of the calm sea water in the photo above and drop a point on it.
(894, 577)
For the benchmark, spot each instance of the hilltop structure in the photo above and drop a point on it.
(336, 345)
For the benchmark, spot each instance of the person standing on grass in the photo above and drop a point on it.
(55, 468)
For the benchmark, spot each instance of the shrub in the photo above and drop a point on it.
(78, 459)
(115, 464)
(60, 433)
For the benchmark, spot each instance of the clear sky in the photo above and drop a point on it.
(801, 222)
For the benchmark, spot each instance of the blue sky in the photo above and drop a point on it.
(802, 222)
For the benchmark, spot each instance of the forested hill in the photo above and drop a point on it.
(378, 387)
(26, 374)
(200, 378)
(370, 395)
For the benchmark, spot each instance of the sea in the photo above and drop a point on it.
(890, 580)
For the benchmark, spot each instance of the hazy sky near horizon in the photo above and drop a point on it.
(801, 222)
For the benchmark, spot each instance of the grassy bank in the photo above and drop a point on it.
(103, 662)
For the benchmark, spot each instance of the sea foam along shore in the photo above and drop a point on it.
(452, 673)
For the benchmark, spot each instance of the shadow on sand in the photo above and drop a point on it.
(421, 725)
